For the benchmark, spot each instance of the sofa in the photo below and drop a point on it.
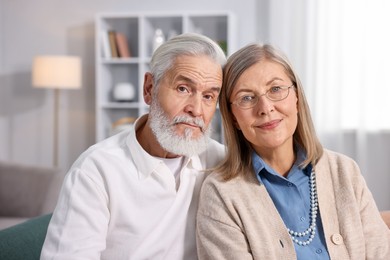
(27, 191)
(386, 217)
(24, 241)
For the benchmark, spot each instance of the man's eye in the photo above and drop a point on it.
(183, 89)
(210, 99)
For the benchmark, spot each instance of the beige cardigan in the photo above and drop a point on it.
(238, 220)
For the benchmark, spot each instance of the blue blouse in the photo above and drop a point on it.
(291, 197)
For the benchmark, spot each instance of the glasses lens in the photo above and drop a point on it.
(278, 93)
(248, 102)
(273, 94)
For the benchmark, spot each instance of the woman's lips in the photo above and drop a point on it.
(270, 125)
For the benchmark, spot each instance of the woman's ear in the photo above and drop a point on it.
(235, 123)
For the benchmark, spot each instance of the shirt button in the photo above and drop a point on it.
(319, 251)
(303, 218)
(337, 239)
(289, 184)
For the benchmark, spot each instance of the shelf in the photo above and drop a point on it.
(120, 60)
(139, 29)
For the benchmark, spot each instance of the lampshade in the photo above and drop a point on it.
(56, 72)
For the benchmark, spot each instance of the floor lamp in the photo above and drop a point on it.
(56, 72)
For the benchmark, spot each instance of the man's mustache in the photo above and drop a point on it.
(188, 120)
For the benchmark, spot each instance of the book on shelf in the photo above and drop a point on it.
(113, 47)
(106, 50)
(122, 45)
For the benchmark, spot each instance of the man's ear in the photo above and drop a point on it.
(148, 88)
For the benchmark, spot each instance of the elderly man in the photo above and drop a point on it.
(135, 195)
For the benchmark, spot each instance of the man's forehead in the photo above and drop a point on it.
(189, 59)
(195, 68)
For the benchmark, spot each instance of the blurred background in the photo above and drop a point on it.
(340, 49)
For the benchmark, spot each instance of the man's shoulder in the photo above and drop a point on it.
(213, 144)
(213, 155)
(215, 149)
(103, 150)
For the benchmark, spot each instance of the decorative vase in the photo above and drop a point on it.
(158, 39)
(123, 92)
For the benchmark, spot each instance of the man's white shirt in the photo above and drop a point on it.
(119, 202)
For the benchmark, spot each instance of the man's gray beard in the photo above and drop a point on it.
(164, 131)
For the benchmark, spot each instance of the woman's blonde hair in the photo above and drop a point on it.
(238, 160)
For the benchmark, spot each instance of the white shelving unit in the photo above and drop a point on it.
(139, 29)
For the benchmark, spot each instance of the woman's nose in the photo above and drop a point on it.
(264, 106)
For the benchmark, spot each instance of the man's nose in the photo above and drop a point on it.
(194, 105)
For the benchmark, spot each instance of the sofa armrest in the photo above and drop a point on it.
(386, 217)
(26, 189)
(25, 240)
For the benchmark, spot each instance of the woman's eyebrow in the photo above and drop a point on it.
(272, 80)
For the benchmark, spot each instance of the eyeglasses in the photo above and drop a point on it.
(275, 93)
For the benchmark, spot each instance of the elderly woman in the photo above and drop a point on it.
(278, 194)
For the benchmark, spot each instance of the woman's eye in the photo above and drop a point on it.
(247, 98)
(275, 89)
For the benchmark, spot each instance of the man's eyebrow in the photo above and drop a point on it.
(216, 89)
(184, 78)
(191, 81)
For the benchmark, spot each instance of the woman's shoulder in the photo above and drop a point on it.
(338, 164)
(215, 178)
(215, 181)
(336, 157)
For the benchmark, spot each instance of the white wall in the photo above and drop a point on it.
(29, 28)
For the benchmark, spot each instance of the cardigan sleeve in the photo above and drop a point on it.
(350, 210)
(376, 233)
(219, 236)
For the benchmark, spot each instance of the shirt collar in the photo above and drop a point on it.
(260, 166)
(146, 163)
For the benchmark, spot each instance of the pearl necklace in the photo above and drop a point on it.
(313, 216)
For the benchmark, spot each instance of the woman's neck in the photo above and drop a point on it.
(280, 159)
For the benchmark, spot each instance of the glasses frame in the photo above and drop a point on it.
(235, 102)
